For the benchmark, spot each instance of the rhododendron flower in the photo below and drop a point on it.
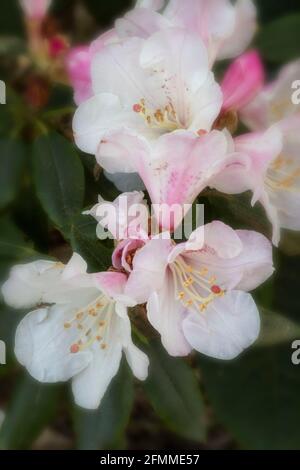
(242, 81)
(282, 174)
(79, 327)
(35, 9)
(175, 168)
(148, 86)
(225, 28)
(254, 153)
(196, 296)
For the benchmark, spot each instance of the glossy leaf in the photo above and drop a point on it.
(12, 156)
(85, 242)
(279, 40)
(59, 179)
(174, 393)
(256, 397)
(104, 428)
(32, 407)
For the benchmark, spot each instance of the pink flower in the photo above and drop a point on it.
(196, 295)
(175, 168)
(252, 155)
(242, 81)
(35, 9)
(78, 66)
(281, 175)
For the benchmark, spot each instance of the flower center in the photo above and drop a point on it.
(283, 174)
(163, 119)
(92, 323)
(195, 288)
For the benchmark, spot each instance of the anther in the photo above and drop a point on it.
(137, 108)
(216, 289)
(74, 348)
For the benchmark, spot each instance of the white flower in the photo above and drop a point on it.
(79, 328)
(149, 87)
(195, 290)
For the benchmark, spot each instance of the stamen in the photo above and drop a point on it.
(91, 323)
(197, 289)
(164, 118)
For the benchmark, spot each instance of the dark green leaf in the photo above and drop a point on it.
(256, 397)
(31, 409)
(174, 394)
(9, 320)
(276, 329)
(59, 179)
(104, 428)
(85, 242)
(13, 246)
(12, 153)
(237, 212)
(11, 22)
(279, 40)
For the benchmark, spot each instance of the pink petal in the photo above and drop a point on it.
(243, 80)
(78, 65)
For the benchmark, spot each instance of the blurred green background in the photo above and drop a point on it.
(250, 403)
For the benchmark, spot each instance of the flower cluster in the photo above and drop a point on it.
(151, 111)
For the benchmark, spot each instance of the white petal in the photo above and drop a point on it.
(95, 117)
(140, 22)
(137, 359)
(222, 239)
(29, 284)
(42, 345)
(166, 315)
(245, 28)
(148, 271)
(91, 384)
(75, 267)
(151, 4)
(229, 325)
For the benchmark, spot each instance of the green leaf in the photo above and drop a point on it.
(256, 396)
(11, 18)
(12, 153)
(31, 409)
(13, 246)
(276, 329)
(174, 394)
(9, 319)
(279, 40)
(85, 242)
(237, 211)
(59, 179)
(104, 428)
(269, 9)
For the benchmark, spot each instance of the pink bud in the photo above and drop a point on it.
(35, 9)
(57, 46)
(78, 66)
(243, 80)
